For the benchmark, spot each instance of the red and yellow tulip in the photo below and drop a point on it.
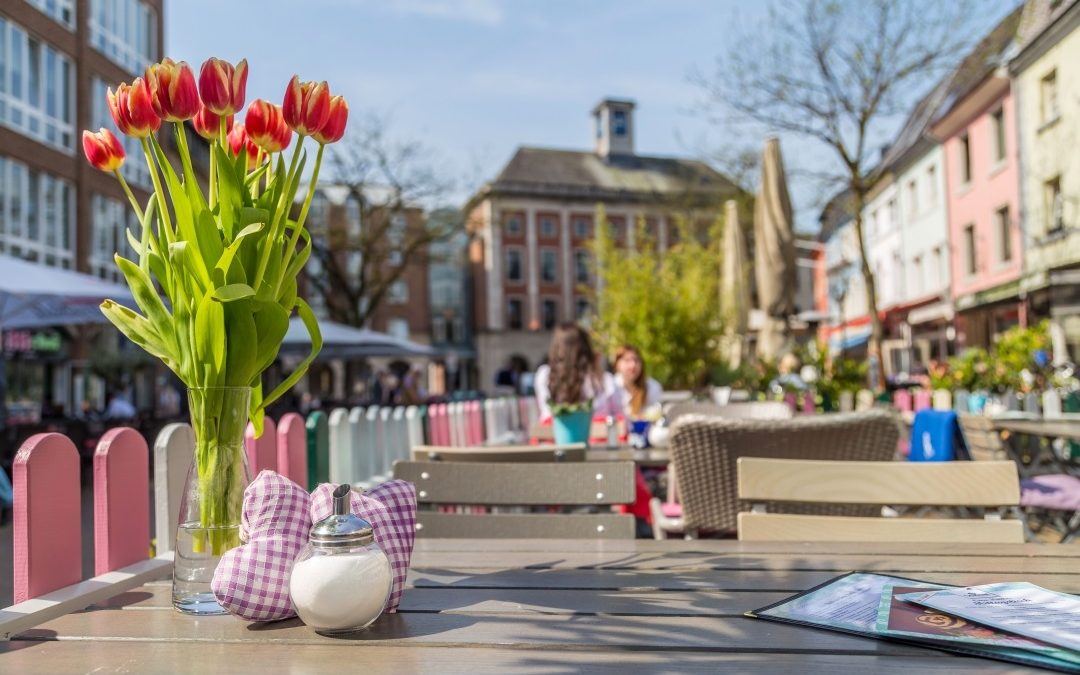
(266, 126)
(223, 86)
(172, 90)
(208, 124)
(306, 105)
(334, 129)
(103, 150)
(132, 109)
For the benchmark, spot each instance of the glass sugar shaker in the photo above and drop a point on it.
(341, 580)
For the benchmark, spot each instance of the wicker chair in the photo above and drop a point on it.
(754, 410)
(704, 452)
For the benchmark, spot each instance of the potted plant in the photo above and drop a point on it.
(571, 422)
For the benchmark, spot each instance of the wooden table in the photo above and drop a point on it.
(543, 606)
(1046, 428)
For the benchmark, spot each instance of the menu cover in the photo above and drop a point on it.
(850, 604)
(898, 618)
(1017, 607)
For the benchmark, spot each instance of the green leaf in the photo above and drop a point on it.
(230, 189)
(225, 262)
(209, 239)
(242, 356)
(146, 297)
(312, 325)
(210, 340)
(140, 331)
(271, 324)
(233, 292)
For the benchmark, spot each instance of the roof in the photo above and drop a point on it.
(836, 213)
(586, 175)
(1040, 19)
(981, 62)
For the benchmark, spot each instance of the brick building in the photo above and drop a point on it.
(532, 225)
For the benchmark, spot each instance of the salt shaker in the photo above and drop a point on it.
(341, 579)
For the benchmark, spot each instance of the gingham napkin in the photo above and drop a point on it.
(252, 580)
(391, 510)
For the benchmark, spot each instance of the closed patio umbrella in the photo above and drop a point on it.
(774, 254)
(343, 341)
(734, 284)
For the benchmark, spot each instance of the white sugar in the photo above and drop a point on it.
(340, 592)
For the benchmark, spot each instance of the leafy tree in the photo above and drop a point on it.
(665, 304)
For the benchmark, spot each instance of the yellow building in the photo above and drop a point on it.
(1046, 82)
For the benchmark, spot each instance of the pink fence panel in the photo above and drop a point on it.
(474, 424)
(809, 405)
(923, 399)
(440, 430)
(792, 402)
(47, 515)
(902, 400)
(121, 500)
(292, 449)
(262, 452)
(523, 411)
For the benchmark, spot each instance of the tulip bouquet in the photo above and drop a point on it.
(215, 275)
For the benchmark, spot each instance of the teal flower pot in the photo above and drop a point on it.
(572, 427)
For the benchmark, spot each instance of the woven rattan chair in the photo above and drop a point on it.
(754, 410)
(704, 451)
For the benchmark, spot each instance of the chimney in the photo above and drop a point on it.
(613, 124)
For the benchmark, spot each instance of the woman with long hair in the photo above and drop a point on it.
(639, 392)
(573, 375)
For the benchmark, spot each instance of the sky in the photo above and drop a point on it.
(474, 79)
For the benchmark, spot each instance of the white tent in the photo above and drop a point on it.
(35, 296)
(342, 341)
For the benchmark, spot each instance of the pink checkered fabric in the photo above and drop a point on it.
(252, 580)
(391, 510)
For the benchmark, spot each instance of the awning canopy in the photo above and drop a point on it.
(341, 341)
(34, 296)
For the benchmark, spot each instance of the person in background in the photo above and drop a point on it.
(639, 392)
(573, 373)
(120, 407)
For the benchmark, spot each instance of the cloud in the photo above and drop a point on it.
(485, 12)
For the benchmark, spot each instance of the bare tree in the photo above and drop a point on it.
(840, 72)
(392, 182)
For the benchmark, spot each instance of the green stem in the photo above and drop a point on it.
(130, 195)
(290, 251)
(144, 234)
(163, 209)
(279, 217)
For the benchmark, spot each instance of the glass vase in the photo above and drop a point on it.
(213, 496)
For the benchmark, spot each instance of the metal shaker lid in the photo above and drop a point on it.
(341, 529)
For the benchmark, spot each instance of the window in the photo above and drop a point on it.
(513, 225)
(319, 213)
(125, 31)
(618, 122)
(457, 330)
(581, 308)
(395, 257)
(36, 215)
(898, 277)
(110, 218)
(551, 314)
(938, 272)
(438, 328)
(894, 214)
(396, 232)
(913, 196)
(581, 227)
(1004, 230)
(1055, 216)
(61, 10)
(514, 270)
(1048, 98)
(398, 293)
(971, 262)
(998, 118)
(875, 222)
(965, 159)
(931, 186)
(134, 169)
(581, 266)
(917, 276)
(352, 217)
(398, 328)
(37, 96)
(355, 265)
(514, 314)
(547, 227)
(549, 265)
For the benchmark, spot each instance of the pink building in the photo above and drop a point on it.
(978, 134)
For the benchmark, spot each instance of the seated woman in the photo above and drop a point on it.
(573, 374)
(639, 392)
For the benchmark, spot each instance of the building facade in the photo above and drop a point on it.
(532, 229)
(977, 131)
(57, 58)
(1046, 80)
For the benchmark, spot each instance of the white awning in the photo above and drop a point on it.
(938, 310)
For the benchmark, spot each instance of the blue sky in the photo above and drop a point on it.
(474, 79)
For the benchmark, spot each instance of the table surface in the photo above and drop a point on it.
(1047, 427)
(554, 606)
